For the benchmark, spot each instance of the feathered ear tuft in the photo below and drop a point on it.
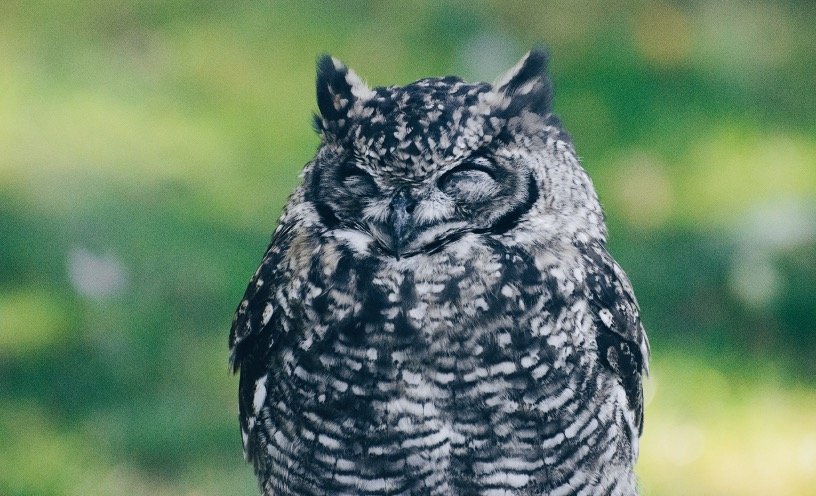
(526, 86)
(338, 88)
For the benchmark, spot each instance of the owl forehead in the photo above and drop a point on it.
(412, 130)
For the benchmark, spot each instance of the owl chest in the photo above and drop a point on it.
(428, 337)
(426, 305)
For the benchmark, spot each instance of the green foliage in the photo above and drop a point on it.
(146, 148)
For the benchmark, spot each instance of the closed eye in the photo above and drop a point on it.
(472, 169)
(356, 180)
(471, 179)
(348, 171)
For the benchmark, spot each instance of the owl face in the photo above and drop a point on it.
(416, 167)
(407, 215)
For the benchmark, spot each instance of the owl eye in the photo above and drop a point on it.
(349, 170)
(356, 180)
(469, 179)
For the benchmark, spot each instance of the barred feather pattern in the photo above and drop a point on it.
(505, 363)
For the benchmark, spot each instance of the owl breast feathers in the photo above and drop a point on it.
(437, 312)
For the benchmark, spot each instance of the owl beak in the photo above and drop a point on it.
(402, 221)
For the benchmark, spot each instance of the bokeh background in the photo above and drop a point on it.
(147, 146)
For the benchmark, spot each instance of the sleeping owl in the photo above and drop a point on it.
(437, 312)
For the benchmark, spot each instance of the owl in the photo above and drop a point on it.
(437, 312)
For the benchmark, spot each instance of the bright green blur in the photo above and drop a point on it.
(147, 146)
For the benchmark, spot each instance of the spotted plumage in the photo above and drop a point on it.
(437, 312)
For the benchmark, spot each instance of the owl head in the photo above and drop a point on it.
(417, 167)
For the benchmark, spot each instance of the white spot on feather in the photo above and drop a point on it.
(328, 442)
(357, 241)
(260, 394)
(606, 317)
(267, 314)
(418, 312)
(411, 378)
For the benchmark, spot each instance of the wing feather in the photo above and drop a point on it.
(622, 343)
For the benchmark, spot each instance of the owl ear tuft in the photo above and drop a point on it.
(526, 86)
(338, 88)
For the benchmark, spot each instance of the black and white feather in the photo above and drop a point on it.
(437, 312)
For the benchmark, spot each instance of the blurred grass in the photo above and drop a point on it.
(712, 430)
(146, 149)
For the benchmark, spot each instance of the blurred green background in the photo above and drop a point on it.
(147, 146)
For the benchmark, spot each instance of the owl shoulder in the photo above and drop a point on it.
(256, 322)
(621, 340)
